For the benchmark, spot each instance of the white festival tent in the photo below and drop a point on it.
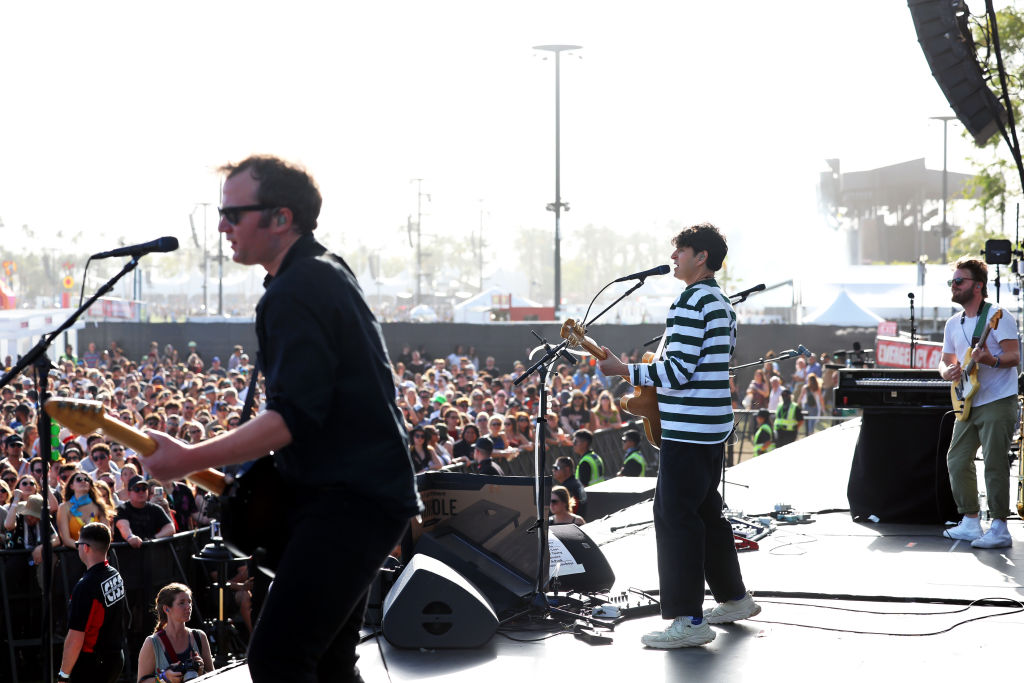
(843, 311)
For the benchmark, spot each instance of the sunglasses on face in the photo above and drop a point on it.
(81, 543)
(10, 480)
(957, 281)
(80, 480)
(26, 484)
(99, 456)
(233, 214)
(140, 488)
(417, 436)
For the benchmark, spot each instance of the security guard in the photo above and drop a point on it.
(764, 438)
(634, 464)
(788, 419)
(590, 467)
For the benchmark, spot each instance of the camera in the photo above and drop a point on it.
(189, 670)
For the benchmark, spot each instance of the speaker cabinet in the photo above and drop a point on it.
(945, 37)
(591, 572)
(433, 606)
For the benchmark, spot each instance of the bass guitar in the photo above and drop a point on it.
(963, 391)
(248, 501)
(643, 402)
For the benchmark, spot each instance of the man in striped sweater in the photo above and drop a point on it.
(691, 376)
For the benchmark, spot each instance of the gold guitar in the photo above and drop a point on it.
(83, 417)
(643, 402)
(250, 519)
(963, 391)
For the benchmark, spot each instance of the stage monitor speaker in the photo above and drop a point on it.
(899, 470)
(945, 37)
(433, 606)
(586, 570)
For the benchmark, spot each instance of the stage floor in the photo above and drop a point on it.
(841, 600)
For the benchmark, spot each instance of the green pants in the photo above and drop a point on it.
(991, 427)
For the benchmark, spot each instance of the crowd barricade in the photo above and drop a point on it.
(145, 570)
(607, 443)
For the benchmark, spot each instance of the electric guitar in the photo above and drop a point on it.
(248, 501)
(963, 391)
(643, 402)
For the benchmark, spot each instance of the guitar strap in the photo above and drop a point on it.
(982, 320)
(250, 395)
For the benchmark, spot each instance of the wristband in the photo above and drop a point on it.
(61, 676)
(996, 364)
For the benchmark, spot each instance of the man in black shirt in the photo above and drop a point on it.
(92, 648)
(327, 372)
(139, 520)
(563, 474)
(483, 464)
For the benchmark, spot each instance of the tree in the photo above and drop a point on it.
(999, 178)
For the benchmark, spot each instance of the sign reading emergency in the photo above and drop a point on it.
(894, 352)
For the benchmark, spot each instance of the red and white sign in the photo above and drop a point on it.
(888, 328)
(893, 352)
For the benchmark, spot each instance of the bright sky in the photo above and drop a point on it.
(114, 115)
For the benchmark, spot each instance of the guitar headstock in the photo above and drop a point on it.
(78, 415)
(994, 322)
(573, 332)
(576, 335)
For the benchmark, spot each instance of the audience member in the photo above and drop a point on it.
(562, 506)
(174, 652)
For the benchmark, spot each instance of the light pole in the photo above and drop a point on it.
(945, 181)
(557, 206)
(195, 238)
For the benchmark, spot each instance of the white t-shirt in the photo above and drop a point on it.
(994, 383)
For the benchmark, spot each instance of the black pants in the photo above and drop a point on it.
(309, 626)
(695, 542)
(785, 436)
(93, 667)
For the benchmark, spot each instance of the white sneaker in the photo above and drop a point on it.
(997, 536)
(680, 633)
(733, 610)
(968, 529)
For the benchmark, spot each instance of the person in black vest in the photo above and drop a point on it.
(327, 372)
(92, 647)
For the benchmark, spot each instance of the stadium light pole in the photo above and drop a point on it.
(558, 205)
(945, 182)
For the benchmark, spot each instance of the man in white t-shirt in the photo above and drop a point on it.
(992, 411)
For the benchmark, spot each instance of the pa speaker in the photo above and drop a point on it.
(945, 38)
(433, 606)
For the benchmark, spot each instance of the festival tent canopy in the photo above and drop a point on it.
(843, 311)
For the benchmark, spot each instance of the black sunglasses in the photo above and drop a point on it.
(957, 281)
(99, 456)
(140, 488)
(84, 480)
(233, 214)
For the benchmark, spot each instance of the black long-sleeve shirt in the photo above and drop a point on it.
(329, 377)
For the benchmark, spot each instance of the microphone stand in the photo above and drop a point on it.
(36, 357)
(540, 451)
(913, 330)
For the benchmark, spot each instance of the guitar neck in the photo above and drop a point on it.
(209, 479)
(595, 350)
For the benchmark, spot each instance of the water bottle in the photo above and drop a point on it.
(983, 505)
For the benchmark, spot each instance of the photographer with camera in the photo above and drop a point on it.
(174, 653)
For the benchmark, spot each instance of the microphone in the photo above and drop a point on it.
(910, 295)
(659, 270)
(158, 245)
(803, 351)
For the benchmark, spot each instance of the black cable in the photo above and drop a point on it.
(1020, 608)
